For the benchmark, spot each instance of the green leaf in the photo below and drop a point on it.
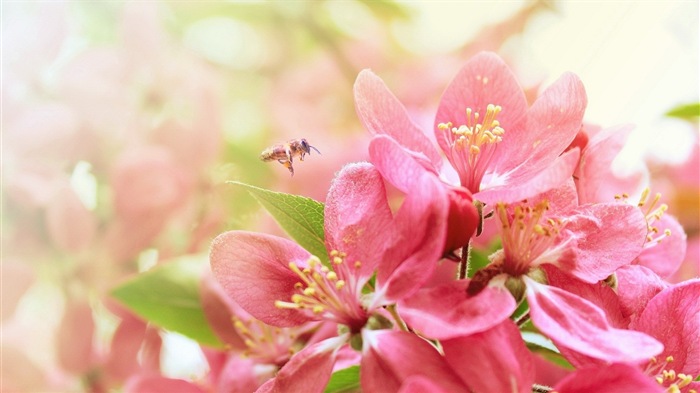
(300, 217)
(539, 344)
(344, 380)
(168, 296)
(690, 112)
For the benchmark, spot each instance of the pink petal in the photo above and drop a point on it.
(616, 378)
(70, 224)
(552, 123)
(595, 179)
(122, 361)
(666, 256)
(309, 370)
(577, 324)
(598, 293)
(17, 277)
(561, 199)
(421, 384)
(390, 357)
(382, 114)
(219, 310)
(525, 184)
(636, 286)
(160, 384)
(254, 270)
(484, 80)
(420, 225)
(74, 338)
(495, 360)
(445, 311)
(395, 163)
(607, 236)
(673, 317)
(239, 375)
(357, 216)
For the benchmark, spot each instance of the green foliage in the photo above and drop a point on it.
(300, 217)
(168, 296)
(347, 379)
(689, 112)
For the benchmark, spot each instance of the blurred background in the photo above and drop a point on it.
(121, 122)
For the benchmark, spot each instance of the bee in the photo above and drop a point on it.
(284, 153)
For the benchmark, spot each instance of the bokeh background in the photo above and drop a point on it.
(122, 121)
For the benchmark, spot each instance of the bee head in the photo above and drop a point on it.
(307, 148)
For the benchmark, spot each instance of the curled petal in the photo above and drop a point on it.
(579, 325)
(357, 216)
(254, 270)
(420, 227)
(389, 358)
(445, 311)
(382, 114)
(504, 362)
(395, 163)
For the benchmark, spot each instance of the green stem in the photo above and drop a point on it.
(399, 322)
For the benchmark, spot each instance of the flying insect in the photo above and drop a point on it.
(284, 153)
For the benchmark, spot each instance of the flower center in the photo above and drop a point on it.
(653, 211)
(266, 343)
(526, 235)
(667, 376)
(473, 144)
(321, 294)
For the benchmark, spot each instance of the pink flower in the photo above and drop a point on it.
(281, 284)
(501, 150)
(587, 242)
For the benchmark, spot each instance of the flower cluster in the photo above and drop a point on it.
(576, 276)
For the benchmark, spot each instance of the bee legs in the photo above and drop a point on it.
(288, 165)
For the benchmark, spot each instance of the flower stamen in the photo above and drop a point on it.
(322, 294)
(473, 144)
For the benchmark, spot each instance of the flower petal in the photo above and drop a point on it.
(420, 227)
(357, 216)
(389, 358)
(599, 293)
(673, 317)
(382, 114)
(484, 80)
(308, 370)
(495, 360)
(607, 236)
(552, 123)
(445, 311)
(395, 163)
(577, 324)
(616, 378)
(160, 384)
(596, 180)
(219, 309)
(254, 270)
(636, 285)
(521, 185)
